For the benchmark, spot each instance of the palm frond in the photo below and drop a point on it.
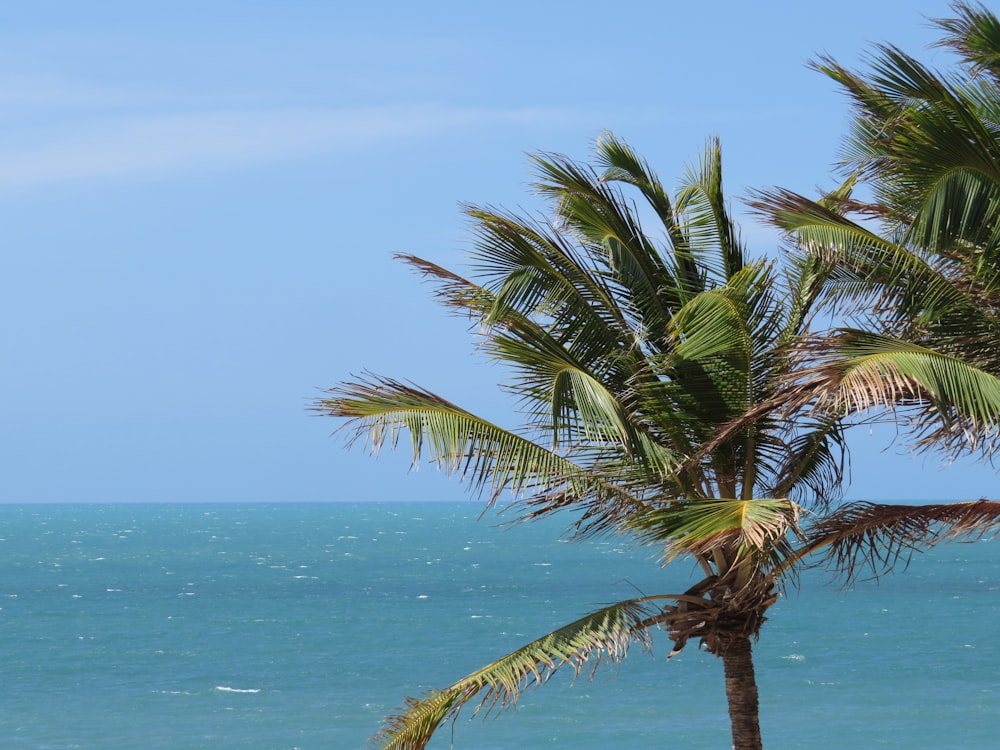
(975, 36)
(807, 276)
(489, 458)
(871, 270)
(605, 634)
(611, 235)
(714, 324)
(926, 139)
(709, 231)
(577, 403)
(858, 371)
(726, 344)
(755, 529)
(960, 203)
(452, 291)
(536, 272)
(952, 405)
(876, 537)
(747, 304)
(622, 164)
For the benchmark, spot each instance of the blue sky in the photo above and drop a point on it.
(199, 203)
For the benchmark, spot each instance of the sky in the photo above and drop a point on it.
(199, 205)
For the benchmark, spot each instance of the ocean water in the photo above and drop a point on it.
(300, 626)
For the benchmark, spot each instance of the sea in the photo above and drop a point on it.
(299, 626)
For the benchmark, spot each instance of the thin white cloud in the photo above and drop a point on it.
(145, 146)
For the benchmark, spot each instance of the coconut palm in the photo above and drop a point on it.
(631, 356)
(918, 263)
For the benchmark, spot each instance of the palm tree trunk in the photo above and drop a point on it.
(741, 691)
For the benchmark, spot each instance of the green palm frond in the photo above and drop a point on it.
(858, 371)
(757, 529)
(511, 311)
(610, 234)
(726, 346)
(951, 404)
(961, 202)
(684, 268)
(577, 402)
(807, 276)
(571, 400)
(488, 457)
(929, 142)
(820, 226)
(714, 325)
(738, 321)
(622, 164)
(710, 232)
(975, 35)
(875, 537)
(870, 269)
(536, 272)
(605, 634)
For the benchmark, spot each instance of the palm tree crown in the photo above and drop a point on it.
(640, 361)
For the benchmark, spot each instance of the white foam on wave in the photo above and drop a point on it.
(226, 689)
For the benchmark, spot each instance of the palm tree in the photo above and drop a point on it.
(632, 356)
(923, 283)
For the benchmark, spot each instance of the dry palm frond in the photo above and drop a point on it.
(877, 537)
(718, 612)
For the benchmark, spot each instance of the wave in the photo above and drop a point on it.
(225, 689)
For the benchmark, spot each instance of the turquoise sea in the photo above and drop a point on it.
(299, 626)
